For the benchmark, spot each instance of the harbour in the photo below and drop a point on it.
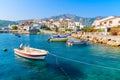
(60, 40)
(63, 62)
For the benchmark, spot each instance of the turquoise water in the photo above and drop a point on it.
(92, 62)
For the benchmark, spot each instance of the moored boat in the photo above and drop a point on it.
(58, 38)
(31, 53)
(76, 42)
(18, 35)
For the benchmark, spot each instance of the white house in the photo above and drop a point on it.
(108, 22)
(56, 23)
(27, 28)
(79, 24)
(71, 25)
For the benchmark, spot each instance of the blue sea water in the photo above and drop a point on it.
(92, 62)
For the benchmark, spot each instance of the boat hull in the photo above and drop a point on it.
(76, 43)
(22, 54)
(58, 39)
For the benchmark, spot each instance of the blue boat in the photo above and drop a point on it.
(18, 35)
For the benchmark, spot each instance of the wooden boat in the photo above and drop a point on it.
(58, 38)
(76, 42)
(31, 53)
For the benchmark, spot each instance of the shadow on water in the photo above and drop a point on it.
(40, 70)
(70, 70)
(66, 68)
(31, 63)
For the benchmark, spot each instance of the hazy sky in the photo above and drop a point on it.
(36, 9)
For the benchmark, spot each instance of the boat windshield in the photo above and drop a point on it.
(21, 46)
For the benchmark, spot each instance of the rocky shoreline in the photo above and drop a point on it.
(99, 38)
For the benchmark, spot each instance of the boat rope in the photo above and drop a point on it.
(65, 73)
(100, 66)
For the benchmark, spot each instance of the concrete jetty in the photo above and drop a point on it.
(98, 38)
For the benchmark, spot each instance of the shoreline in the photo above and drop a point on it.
(102, 39)
(26, 32)
(92, 37)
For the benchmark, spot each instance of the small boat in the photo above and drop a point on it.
(5, 49)
(18, 35)
(31, 53)
(76, 42)
(58, 38)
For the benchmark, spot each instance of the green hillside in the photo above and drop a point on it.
(4, 23)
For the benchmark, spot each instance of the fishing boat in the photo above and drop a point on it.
(31, 53)
(76, 42)
(58, 38)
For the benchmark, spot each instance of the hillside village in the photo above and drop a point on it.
(52, 25)
(67, 25)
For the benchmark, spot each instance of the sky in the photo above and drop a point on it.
(37, 9)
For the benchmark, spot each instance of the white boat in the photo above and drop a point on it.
(31, 53)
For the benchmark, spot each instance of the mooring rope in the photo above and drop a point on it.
(57, 63)
(101, 66)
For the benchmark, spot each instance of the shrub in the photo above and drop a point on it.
(87, 29)
(100, 30)
(14, 27)
(68, 30)
(45, 27)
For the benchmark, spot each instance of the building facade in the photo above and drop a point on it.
(108, 22)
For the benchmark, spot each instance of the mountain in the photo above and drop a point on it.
(87, 21)
(19, 21)
(69, 16)
(4, 23)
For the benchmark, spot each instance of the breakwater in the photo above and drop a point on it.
(4, 31)
(27, 32)
(99, 38)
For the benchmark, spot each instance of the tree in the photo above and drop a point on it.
(14, 27)
(78, 27)
(68, 30)
(45, 27)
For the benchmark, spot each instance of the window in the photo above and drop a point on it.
(105, 22)
(110, 22)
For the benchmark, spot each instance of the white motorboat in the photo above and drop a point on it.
(31, 53)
